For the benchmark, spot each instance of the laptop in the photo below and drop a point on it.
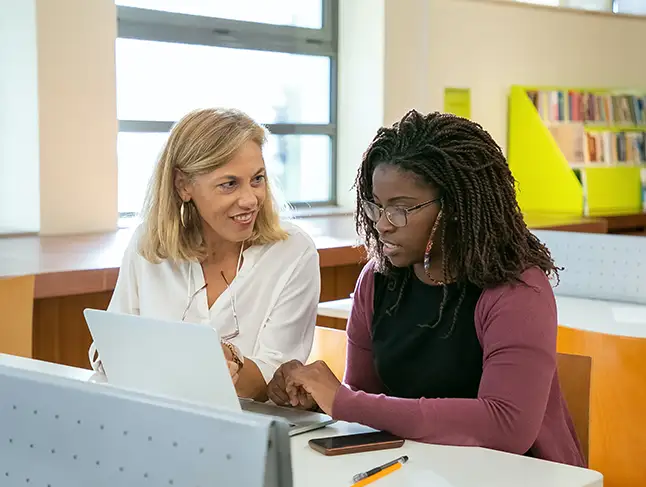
(181, 361)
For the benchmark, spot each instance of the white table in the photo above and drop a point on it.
(610, 317)
(339, 309)
(433, 466)
(429, 465)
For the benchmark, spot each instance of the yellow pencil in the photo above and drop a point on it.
(378, 475)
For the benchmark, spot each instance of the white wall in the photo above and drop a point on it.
(489, 46)
(19, 154)
(360, 87)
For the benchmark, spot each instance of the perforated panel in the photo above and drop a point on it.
(61, 433)
(597, 266)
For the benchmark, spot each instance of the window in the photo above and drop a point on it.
(635, 7)
(598, 5)
(274, 59)
(550, 3)
(298, 13)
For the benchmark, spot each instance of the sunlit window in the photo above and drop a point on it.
(598, 5)
(274, 59)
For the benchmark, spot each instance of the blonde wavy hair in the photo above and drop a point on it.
(203, 140)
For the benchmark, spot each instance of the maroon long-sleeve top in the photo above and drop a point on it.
(519, 407)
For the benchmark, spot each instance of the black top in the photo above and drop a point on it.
(415, 360)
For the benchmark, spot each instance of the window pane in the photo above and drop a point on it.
(600, 5)
(299, 164)
(299, 13)
(551, 3)
(137, 154)
(636, 7)
(162, 81)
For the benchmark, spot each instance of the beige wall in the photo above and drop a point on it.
(78, 121)
(394, 55)
(482, 45)
(58, 157)
(489, 46)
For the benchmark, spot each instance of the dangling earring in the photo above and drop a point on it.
(182, 211)
(429, 245)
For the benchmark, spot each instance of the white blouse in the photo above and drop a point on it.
(275, 295)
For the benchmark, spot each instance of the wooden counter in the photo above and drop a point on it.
(633, 224)
(76, 272)
(81, 264)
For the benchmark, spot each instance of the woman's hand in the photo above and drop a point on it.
(276, 389)
(317, 380)
(233, 367)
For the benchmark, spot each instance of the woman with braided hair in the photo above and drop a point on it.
(452, 334)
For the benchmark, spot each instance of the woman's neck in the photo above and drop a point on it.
(219, 250)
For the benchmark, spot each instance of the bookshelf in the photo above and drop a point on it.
(578, 151)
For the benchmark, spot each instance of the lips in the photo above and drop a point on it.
(244, 218)
(390, 247)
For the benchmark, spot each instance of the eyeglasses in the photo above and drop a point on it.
(233, 307)
(396, 215)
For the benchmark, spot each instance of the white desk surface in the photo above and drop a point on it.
(610, 317)
(428, 465)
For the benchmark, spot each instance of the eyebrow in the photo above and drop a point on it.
(398, 199)
(231, 177)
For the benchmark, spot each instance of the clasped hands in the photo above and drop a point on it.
(304, 386)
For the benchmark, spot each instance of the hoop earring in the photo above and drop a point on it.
(429, 245)
(182, 211)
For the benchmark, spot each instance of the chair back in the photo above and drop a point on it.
(330, 346)
(574, 377)
(16, 315)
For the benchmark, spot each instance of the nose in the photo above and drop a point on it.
(248, 200)
(383, 225)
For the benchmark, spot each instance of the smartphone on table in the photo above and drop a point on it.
(357, 443)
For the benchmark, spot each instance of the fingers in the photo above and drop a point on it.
(233, 368)
(276, 389)
(277, 395)
(304, 398)
(287, 388)
(227, 352)
(292, 390)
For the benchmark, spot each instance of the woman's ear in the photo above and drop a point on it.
(182, 185)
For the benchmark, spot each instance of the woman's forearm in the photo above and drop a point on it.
(251, 384)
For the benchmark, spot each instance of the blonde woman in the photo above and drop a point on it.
(211, 250)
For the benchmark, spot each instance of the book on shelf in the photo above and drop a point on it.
(601, 147)
(594, 127)
(600, 108)
(586, 146)
(608, 147)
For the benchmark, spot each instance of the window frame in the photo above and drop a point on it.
(154, 25)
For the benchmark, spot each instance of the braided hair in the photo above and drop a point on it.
(484, 239)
